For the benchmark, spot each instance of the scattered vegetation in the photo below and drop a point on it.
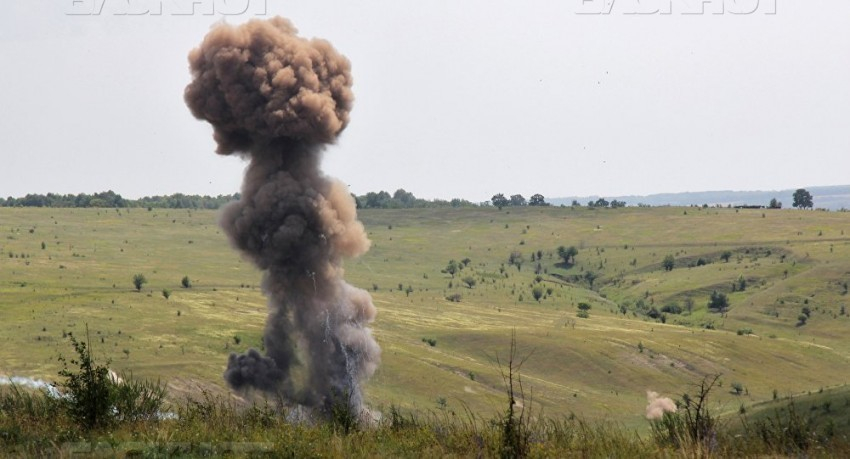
(138, 281)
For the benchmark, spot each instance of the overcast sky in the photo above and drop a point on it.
(453, 98)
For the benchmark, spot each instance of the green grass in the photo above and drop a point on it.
(590, 367)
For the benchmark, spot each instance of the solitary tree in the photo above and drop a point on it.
(516, 259)
(537, 293)
(138, 281)
(452, 268)
(499, 200)
(803, 199)
(669, 262)
(517, 200)
(590, 277)
(726, 255)
(469, 281)
(537, 200)
(718, 301)
(568, 254)
(774, 204)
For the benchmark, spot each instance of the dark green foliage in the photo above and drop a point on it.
(111, 199)
(669, 263)
(402, 199)
(718, 301)
(584, 306)
(516, 259)
(451, 268)
(537, 200)
(537, 293)
(737, 388)
(499, 200)
(803, 199)
(94, 400)
(430, 341)
(185, 282)
(787, 431)
(88, 389)
(590, 277)
(138, 281)
(469, 281)
(137, 399)
(672, 308)
(567, 254)
(166, 293)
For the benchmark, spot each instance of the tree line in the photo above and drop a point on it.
(402, 199)
(110, 199)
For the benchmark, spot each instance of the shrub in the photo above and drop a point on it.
(454, 297)
(185, 282)
(737, 388)
(584, 306)
(137, 399)
(672, 308)
(166, 293)
(718, 301)
(469, 281)
(583, 315)
(138, 281)
(693, 424)
(537, 293)
(88, 390)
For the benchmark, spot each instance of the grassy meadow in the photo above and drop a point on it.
(61, 269)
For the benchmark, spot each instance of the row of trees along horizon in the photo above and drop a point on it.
(401, 199)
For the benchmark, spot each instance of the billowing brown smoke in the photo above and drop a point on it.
(656, 405)
(277, 99)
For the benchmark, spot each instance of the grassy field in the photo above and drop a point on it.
(63, 268)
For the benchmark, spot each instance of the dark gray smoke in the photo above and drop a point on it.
(277, 99)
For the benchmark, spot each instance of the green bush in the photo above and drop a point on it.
(89, 389)
(138, 281)
(93, 399)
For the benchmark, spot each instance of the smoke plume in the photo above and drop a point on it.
(657, 405)
(277, 99)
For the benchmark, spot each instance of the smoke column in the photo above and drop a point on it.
(657, 405)
(277, 99)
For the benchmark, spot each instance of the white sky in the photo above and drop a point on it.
(454, 98)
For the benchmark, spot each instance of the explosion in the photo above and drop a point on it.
(277, 100)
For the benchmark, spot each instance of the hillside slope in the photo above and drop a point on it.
(600, 366)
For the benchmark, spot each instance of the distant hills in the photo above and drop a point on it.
(825, 197)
